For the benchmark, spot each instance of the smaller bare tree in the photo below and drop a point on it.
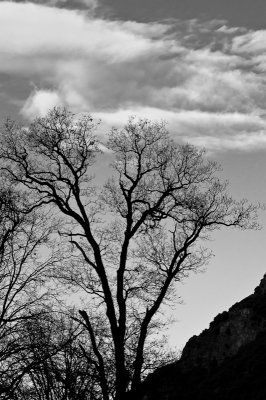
(59, 369)
(24, 236)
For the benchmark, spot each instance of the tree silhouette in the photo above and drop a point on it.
(23, 291)
(59, 370)
(131, 239)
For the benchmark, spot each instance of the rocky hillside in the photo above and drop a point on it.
(226, 361)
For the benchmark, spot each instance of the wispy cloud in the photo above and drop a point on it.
(241, 142)
(214, 131)
(70, 4)
(205, 79)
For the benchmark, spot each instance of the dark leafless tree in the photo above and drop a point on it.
(132, 239)
(23, 291)
(59, 369)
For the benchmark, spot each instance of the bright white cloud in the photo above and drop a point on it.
(250, 42)
(36, 30)
(252, 46)
(203, 79)
(39, 103)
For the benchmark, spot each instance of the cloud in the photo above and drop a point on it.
(250, 42)
(89, 5)
(252, 47)
(215, 131)
(201, 77)
(241, 142)
(37, 30)
(229, 30)
(39, 103)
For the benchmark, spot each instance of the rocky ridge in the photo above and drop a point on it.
(235, 342)
(228, 332)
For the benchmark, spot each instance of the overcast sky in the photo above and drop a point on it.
(198, 64)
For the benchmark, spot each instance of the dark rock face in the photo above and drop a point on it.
(226, 361)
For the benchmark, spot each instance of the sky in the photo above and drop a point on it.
(199, 65)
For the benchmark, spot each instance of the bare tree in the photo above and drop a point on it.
(22, 287)
(132, 239)
(59, 370)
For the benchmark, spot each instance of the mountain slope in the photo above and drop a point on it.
(226, 361)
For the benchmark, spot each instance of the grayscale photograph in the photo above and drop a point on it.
(132, 200)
